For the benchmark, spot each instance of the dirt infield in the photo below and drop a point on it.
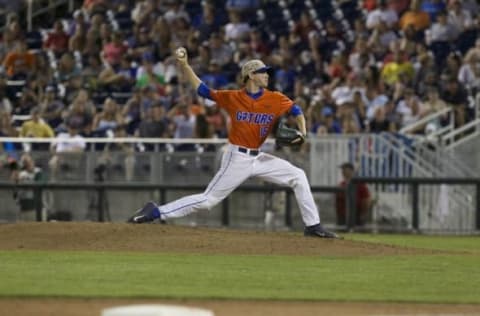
(174, 239)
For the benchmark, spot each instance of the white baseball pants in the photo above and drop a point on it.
(236, 167)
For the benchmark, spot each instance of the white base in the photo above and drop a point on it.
(155, 310)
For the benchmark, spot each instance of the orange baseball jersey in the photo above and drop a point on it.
(251, 119)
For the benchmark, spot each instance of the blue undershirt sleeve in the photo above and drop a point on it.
(204, 91)
(296, 110)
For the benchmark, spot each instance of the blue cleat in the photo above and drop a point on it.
(145, 214)
(319, 231)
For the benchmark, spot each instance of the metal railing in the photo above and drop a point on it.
(414, 184)
(102, 188)
(415, 126)
(33, 10)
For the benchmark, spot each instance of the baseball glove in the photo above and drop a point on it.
(287, 136)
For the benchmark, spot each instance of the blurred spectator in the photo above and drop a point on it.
(381, 38)
(210, 23)
(6, 127)
(19, 62)
(94, 45)
(182, 126)
(393, 71)
(460, 18)
(140, 44)
(302, 29)
(360, 57)
(67, 68)
(161, 37)
(23, 173)
(360, 29)
(434, 104)
(154, 125)
(363, 201)
(79, 20)
(258, 44)
(214, 78)
(243, 6)
(380, 122)
(219, 50)
(147, 77)
(330, 122)
(66, 148)
(114, 50)
(469, 74)
(148, 97)
(131, 112)
(91, 72)
(5, 103)
(36, 126)
(442, 30)
(416, 17)
(451, 68)
(409, 108)
(217, 119)
(116, 157)
(51, 107)
(382, 13)
(79, 114)
(175, 11)
(122, 75)
(57, 40)
(433, 8)
(108, 119)
(456, 97)
(284, 77)
(236, 29)
(78, 40)
(93, 6)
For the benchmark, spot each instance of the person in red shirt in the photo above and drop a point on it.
(57, 40)
(362, 198)
(114, 50)
(253, 111)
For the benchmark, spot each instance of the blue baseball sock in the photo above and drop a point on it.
(156, 212)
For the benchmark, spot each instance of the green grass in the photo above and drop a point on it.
(429, 278)
(450, 243)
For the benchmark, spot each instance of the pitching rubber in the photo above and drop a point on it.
(155, 310)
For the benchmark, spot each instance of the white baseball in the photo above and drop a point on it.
(181, 52)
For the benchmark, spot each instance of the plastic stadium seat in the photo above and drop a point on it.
(296, 8)
(440, 50)
(466, 40)
(121, 97)
(14, 88)
(34, 40)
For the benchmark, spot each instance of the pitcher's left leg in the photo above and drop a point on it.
(282, 172)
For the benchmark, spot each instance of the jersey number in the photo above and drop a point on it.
(263, 131)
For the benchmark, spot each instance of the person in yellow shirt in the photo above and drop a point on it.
(393, 71)
(37, 127)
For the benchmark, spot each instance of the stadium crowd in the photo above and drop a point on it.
(352, 66)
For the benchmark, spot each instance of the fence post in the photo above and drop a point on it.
(163, 196)
(477, 186)
(288, 209)
(350, 196)
(415, 209)
(37, 198)
(226, 212)
(101, 215)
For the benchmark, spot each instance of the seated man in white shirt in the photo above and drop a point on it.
(66, 147)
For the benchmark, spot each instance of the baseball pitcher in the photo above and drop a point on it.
(253, 111)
